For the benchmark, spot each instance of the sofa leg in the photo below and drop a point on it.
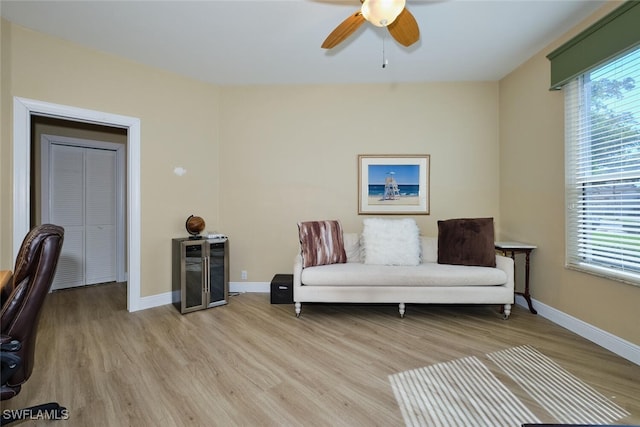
(506, 311)
(401, 308)
(298, 308)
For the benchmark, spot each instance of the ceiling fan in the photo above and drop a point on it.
(382, 13)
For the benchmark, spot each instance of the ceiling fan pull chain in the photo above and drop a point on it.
(384, 56)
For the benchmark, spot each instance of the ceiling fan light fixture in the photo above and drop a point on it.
(382, 12)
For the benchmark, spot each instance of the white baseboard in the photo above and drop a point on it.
(236, 287)
(155, 300)
(603, 338)
(242, 287)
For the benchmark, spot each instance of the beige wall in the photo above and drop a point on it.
(178, 122)
(289, 154)
(532, 200)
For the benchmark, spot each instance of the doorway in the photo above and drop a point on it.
(82, 188)
(23, 112)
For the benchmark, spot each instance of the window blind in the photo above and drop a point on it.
(602, 113)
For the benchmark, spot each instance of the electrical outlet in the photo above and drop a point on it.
(243, 275)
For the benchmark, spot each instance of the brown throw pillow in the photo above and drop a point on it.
(466, 241)
(321, 243)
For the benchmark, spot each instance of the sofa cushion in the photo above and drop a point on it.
(352, 246)
(321, 243)
(391, 241)
(426, 274)
(429, 249)
(466, 241)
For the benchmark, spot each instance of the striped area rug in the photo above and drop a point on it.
(464, 392)
(568, 399)
(460, 393)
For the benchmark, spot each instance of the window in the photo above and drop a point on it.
(602, 137)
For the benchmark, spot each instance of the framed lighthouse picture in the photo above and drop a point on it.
(393, 184)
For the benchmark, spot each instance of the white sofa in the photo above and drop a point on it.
(426, 283)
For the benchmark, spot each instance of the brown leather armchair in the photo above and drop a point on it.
(22, 300)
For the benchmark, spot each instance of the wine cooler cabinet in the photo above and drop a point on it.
(200, 273)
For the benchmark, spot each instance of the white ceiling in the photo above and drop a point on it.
(278, 42)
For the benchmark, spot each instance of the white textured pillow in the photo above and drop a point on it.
(391, 241)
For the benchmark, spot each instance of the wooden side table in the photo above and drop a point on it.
(514, 248)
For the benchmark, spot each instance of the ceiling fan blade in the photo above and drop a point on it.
(344, 30)
(405, 28)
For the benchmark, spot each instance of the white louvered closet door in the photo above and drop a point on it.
(82, 199)
(100, 216)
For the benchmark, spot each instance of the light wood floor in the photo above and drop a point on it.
(251, 363)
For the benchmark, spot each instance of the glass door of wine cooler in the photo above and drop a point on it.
(218, 293)
(193, 291)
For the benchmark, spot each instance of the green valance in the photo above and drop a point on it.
(607, 38)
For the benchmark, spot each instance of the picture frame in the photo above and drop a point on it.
(393, 184)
